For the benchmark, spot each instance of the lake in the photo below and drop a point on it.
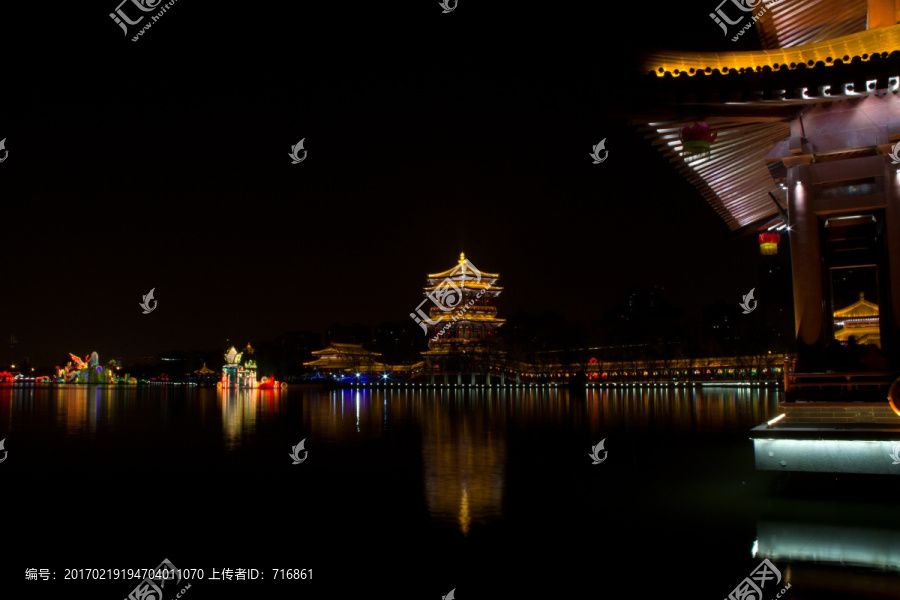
(412, 493)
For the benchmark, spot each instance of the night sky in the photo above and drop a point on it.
(163, 163)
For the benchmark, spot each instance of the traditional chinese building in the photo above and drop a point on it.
(353, 361)
(859, 320)
(237, 374)
(462, 324)
(803, 138)
(346, 359)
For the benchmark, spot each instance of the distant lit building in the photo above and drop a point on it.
(237, 374)
(860, 320)
(462, 321)
(340, 359)
(644, 301)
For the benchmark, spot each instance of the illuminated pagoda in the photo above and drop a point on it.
(461, 322)
(237, 374)
(859, 320)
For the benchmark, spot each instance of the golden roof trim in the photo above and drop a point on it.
(879, 40)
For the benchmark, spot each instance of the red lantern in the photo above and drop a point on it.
(696, 139)
(768, 243)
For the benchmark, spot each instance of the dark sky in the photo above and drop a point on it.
(164, 164)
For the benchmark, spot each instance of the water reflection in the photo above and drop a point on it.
(829, 544)
(77, 409)
(840, 556)
(464, 456)
(463, 433)
(238, 407)
(680, 409)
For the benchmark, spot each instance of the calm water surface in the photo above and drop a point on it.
(412, 493)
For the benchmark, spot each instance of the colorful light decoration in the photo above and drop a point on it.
(768, 243)
(696, 139)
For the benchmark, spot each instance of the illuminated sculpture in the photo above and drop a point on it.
(89, 371)
(235, 374)
(77, 372)
(269, 383)
(768, 243)
(696, 139)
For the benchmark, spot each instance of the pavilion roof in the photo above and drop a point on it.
(833, 53)
(340, 362)
(457, 271)
(818, 53)
(860, 309)
(345, 364)
(736, 179)
(472, 316)
(336, 348)
(471, 284)
(800, 22)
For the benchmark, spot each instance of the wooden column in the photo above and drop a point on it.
(890, 314)
(806, 265)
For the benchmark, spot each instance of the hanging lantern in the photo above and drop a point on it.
(768, 243)
(696, 139)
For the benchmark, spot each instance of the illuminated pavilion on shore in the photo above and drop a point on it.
(806, 135)
(803, 142)
(343, 360)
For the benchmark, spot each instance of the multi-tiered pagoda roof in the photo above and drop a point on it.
(463, 309)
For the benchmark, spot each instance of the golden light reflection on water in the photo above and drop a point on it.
(77, 409)
(464, 455)
(705, 409)
(239, 409)
(464, 433)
